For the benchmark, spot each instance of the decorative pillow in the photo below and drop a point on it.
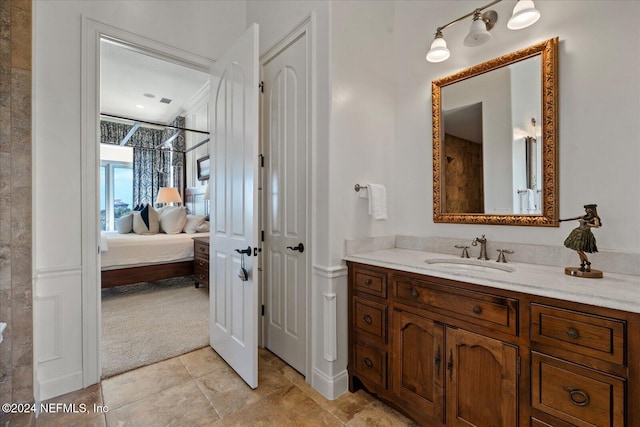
(203, 228)
(193, 221)
(124, 224)
(173, 219)
(146, 221)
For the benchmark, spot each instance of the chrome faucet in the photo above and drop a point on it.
(483, 247)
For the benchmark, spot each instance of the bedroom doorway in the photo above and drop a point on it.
(286, 198)
(157, 312)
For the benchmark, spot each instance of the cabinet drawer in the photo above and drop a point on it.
(370, 363)
(578, 395)
(202, 263)
(201, 250)
(370, 318)
(595, 336)
(201, 273)
(370, 281)
(476, 307)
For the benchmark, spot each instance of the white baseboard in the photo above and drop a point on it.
(331, 388)
(58, 386)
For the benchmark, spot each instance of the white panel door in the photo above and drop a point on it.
(286, 128)
(233, 321)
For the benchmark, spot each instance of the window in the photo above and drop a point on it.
(116, 188)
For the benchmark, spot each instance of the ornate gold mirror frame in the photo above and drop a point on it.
(549, 217)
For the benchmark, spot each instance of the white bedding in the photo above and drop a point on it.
(130, 250)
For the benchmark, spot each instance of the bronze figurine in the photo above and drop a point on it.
(582, 240)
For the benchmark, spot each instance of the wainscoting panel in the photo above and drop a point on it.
(329, 370)
(58, 331)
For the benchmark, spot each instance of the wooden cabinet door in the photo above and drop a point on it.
(418, 363)
(481, 381)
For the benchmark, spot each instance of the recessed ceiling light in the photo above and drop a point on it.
(139, 106)
(149, 95)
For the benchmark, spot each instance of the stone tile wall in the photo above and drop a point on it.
(16, 351)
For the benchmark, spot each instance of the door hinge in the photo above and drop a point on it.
(261, 86)
(262, 235)
(262, 309)
(256, 251)
(261, 157)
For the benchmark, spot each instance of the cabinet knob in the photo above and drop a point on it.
(476, 309)
(573, 333)
(367, 282)
(367, 362)
(414, 292)
(367, 319)
(577, 396)
(201, 276)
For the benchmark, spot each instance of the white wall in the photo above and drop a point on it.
(202, 28)
(599, 107)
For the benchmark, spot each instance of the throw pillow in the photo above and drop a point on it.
(146, 221)
(173, 219)
(193, 221)
(203, 228)
(124, 224)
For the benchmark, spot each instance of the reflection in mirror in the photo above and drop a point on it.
(494, 141)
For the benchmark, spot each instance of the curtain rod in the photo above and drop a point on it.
(153, 123)
(166, 150)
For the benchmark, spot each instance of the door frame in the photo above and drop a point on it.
(92, 32)
(306, 27)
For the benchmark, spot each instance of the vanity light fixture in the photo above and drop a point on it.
(524, 15)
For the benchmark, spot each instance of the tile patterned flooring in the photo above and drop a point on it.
(200, 389)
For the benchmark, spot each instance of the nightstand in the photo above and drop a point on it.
(201, 260)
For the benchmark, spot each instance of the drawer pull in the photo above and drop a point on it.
(201, 276)
(367, 282)
(577, 396)
(450, 366)
(437, 361)
(476, 309)
(202, 249)
(200, 263)
(367, 363)
(367, 319)
(414, 293)
(572, 333)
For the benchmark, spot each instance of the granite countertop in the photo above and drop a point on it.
(617, 291)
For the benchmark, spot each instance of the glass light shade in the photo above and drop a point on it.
(168, 195)
(524, 15)
(478, 33)
(438, 51)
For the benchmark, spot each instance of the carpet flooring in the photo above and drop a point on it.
(149, 322)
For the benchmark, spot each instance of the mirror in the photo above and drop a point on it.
(495, 141)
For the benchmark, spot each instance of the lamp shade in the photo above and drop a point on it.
(206, 192)
(524, 15)
(168, 195)
(438, 51)
(478, 33)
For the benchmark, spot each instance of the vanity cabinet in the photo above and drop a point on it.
(450, 353)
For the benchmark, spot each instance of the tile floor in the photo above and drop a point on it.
(200, 389)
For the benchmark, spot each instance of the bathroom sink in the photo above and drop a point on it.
(467, 264)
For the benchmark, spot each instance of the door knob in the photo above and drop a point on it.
(244, 251)
(299, 248)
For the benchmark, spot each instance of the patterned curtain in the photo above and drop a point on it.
(153, 164)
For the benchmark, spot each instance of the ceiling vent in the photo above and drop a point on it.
(166, 101)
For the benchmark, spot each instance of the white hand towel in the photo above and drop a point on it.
(531, 200)
(377, 201)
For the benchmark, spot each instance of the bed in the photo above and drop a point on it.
(133, 258)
